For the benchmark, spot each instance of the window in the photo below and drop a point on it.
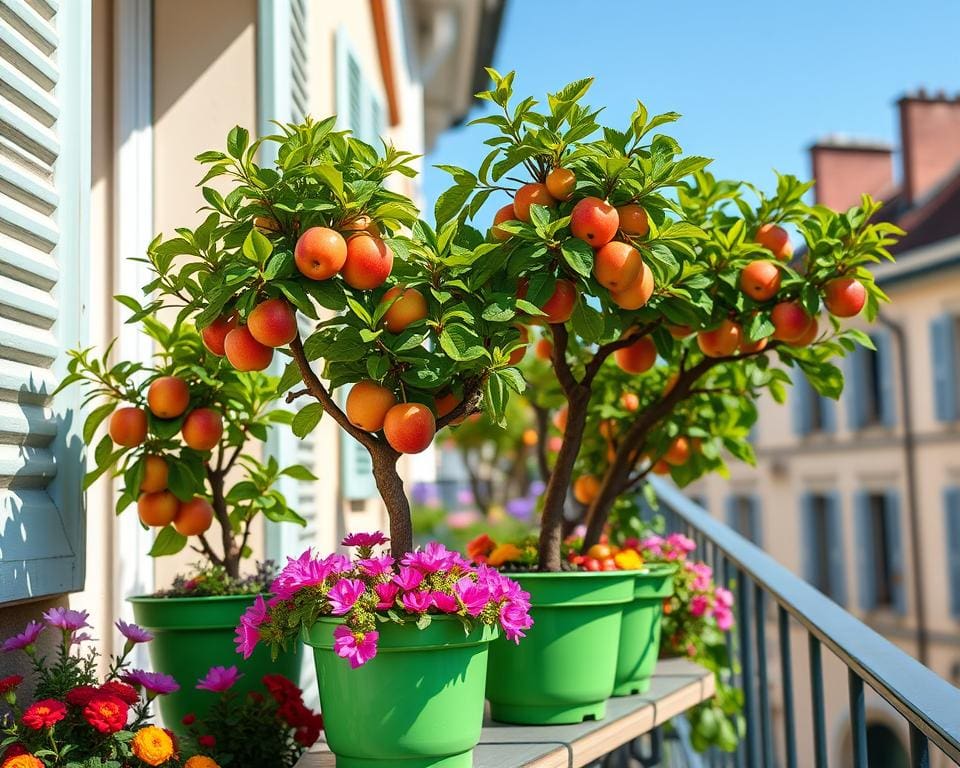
(881, 551)
(871, 392)
(358, 104)
(822, 527)
(945, 346)
(812, 412)
(743, 515)
(952, 506)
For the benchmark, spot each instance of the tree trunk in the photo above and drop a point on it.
(610, 489)
(390, 485)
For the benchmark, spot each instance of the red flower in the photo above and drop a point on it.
(44, 714)
(14, 750)
(7, 684)
(107, 714)
(308, 733)
(189, 719)
(480, 547)
(125, 693)
(207, 741)
(281, 688)
(81, 695)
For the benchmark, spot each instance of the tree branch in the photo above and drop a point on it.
(472, 394)
(603, 352)
(542, 416)
(561, 367)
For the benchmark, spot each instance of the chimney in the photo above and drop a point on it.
(846, 168)
(930, 132)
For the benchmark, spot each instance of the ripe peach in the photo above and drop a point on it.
(530, 437)
(273, 322)
(369, 262)
(629, 401)
(594, 221)
(367, 405)
(245, 353)
(608, 429)
(807, 337)
(760, 280)
(844, 296)
(776, 240)
(586, 488)
(544, 349)
(409, 427)
(156, 474)
(679, 331)
(362, 224)
(445, 404)
(720, 341)
(617, 265)
(409, 307)
(638, 357)
(638, 293)
(633, 220)
(128, 426)
(678, 453)
(320, 253)
(531, 194)
(560, 419)
(748, 347)
(202, 429)
(168, 397)
(517, 355)
(561, 183)
(560, 305)
(790, 320)
(215, 334)
(157, 509)
(661, 468)
(194, 517)
(554, 443)
(504, 214)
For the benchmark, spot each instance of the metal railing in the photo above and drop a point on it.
(928, 703)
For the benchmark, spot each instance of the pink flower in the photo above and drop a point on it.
(473, 597)
(652, 546)
(417, 602)
(514, 618)
(684, 543)
(133, 633)
(408, 579)
(444, 603)
(305, 571)
(356, 647)
(153, 683)
(724, 597)
(387, 594)
(248, 631)
(219, 679)
(699, 606)
(25, 639)
(723, 616)
(376, 566)
(344, 594)
(66, 619)
(433, 557)
(364, 539)
(702, 575)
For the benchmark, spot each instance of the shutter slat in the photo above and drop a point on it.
(26, 344)
(27, 59)
(27, 265)
(46, 8)
(29, 134)
(26, 304)
(26, 189)
(34, 28)
(26, 384)
(23, 224)
(27, 95)
(26, 467)
(29, 425)
(886, 367)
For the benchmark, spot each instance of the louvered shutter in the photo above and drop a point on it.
(856, 396)
(299, 61)
(867, 589)
(800, 404)
(943, 344)
(887, 372)
(951, 498)
(835, 552)
(808, 537)
(898, 571)
(44, 197)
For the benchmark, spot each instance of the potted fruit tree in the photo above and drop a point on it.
(407, 336)
(629, 255)
(182, 436)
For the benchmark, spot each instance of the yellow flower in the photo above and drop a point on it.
(628, 560)
(22, 761)
(153, 745)
(504, 553)
(201, 761)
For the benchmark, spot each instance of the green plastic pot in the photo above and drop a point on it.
(192, 634)
(640, 629)
(563, 671)
(417, 704)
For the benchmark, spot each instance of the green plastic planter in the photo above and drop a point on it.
(192, 634)
(417, 704)
(640, 629)
(563, 670)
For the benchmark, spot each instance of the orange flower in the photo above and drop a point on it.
(201, 761)
(480, 547)
(153, 745)
(22, 761)
(504, 553)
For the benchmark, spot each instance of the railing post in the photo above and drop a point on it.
(766, 735)
(858, 719)
(786, 673)
(919, 748)
(816, 701)
(746, 664)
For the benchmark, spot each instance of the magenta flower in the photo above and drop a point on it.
(344, 594)
(219, 679)
(356, 647)
(417, 602)
(305, 571)
(723, 616)
(154, 683)
(79, 637)
(25, 639)
(681, 542)
(387, 594)
(248, 631)
(472, 596)
(408, 579)
(514, 618)
(433, 557)
(724, 597)
(66, 619)
(133, 633)
(699, 605)
(702, 575)
(444, 603)
(376, 566)
(364, 539)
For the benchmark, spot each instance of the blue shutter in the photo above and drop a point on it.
(731, 505)
(855, 397)
(800, 397)
(952, 505)
(898, 573)
(836, 555)
(756, 521)
(828, 409)
(866, 587)
(943, 344)
(887, 371)
(808, 538)
(299, 61)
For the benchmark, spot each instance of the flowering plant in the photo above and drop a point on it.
(77, 720)
(523, 555)
(373, 587)
(254, 730)
(206, 580)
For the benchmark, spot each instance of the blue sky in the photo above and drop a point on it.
(755, 80)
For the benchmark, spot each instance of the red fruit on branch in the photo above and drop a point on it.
(594, 221)
(720, 341)
(531, 194)
(410, 307)
(168, 397)
(202, 429)
(193, 517)
(245, 353)
(844, 296)
(559, 307)
(776, 240)
(617, 265)
(369, 262)
(367, 405)
(633, 220)
(638, 357)
(760, 280)
(320, 253)
(215, 334)
(561, 183)
(273, 323)
(128, 426)
(409, 427)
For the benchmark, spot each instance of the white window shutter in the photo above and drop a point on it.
(44, 197)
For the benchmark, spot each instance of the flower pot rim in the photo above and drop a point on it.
(479, 635)
(655, 569)
(569, 574)
(152, 599)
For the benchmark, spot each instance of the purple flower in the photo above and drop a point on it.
(433, 557)
(537, 487)
(417, 602)
(473, 597)
(219, 679)
(248, 631)
(377, 566)
(408, 579)
(66, 619)
(364, 539)
(356, 647)
(305, 571)
(153, 683)
(387, 593)
(133, 633)
(344, 594)
(521, 508)
(514, 618)
(444, 603)
(26, 638)
(79, 637)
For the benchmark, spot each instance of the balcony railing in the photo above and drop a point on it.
(770, 598)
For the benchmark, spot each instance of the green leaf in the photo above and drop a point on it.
(307, 419)
(578, 255)
(237, 141)
(168, 542)
(96, 418)
(587, 322)
(257, 247)
(299, 472)
(331, 177)
(450, 202)
(461, 344)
